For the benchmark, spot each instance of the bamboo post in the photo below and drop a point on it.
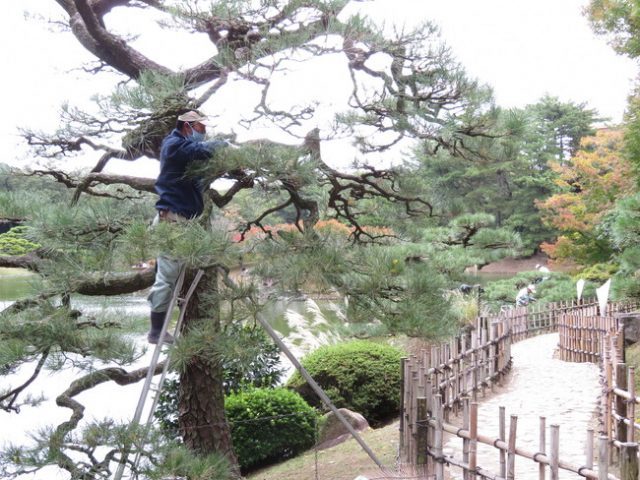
(430, 430)
(444, 357)
(465, 442)
(609, 399)
(603, 456)
(543, 446)
(554, 452)
(455, 397)
(511, 449)
(421, 435)
(629, 461)
(412, 409)
(503, 437)
(439, 434)
(496, 349)
(474, 369)
(484, 337)
(621, 343)
(463, 366)
(473, 440)
(403, 396)
(631, 406)
(621, 404)
(589, 449)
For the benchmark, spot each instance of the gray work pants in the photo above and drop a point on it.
(167, 273)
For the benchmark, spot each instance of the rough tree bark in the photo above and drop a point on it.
(202, 421)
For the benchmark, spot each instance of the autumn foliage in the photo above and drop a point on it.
(589, 185)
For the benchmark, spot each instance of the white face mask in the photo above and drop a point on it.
(195, 135)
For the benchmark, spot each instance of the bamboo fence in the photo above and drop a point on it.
(448, 378)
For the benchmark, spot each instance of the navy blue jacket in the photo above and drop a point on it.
(178, 193)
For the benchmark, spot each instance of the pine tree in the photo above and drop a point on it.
(406, 87)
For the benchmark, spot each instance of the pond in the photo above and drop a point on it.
(303, 323)
(15, 284)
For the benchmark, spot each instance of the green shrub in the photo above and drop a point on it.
(269, 425)
(15, 242)
(254, 363)
(360, 375)
(599, 272)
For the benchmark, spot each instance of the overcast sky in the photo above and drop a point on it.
(522, 49)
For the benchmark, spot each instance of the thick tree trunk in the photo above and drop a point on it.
(203, 424)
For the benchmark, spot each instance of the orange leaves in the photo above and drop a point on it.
(590, 183)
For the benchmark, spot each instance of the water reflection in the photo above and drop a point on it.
(15, 284)
(304, 324)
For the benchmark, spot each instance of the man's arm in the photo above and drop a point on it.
(203, 150)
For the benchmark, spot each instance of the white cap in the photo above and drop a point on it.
(192, 116)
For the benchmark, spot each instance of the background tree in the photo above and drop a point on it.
(404, 87)
(597, 176)
(618, 20)
(514, 172)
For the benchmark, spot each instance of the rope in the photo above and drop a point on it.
(312, 383)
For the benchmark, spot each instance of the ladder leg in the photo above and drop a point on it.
(150, 373)
(165, 369)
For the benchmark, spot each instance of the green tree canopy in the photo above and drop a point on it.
(404, 86)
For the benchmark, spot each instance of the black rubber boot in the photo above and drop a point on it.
(157, 321)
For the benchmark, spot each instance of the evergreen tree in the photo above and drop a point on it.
(405, 87)
(514, 173)
(618, 20)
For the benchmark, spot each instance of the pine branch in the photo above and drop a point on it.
(88, 183)
(30, 261)
(13, 394)
(116, 284)
(65, 399)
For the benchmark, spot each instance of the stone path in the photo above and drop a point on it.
(540, 385)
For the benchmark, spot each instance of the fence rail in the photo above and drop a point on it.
(447, 379)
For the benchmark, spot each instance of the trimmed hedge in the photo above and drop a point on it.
(15, 242)
(269, 425)
(360, 375)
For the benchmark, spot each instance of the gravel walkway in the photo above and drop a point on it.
(539, 385)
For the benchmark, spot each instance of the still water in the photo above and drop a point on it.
(303, 323)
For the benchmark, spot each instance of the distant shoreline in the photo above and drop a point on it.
(14, 271)
(516, 265)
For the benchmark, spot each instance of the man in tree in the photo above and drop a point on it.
(420, 96)
(180, 200)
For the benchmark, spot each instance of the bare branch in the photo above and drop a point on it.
(116, 284)
(258, 221)
(30, 261)
(8, 400)
(92, 180)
